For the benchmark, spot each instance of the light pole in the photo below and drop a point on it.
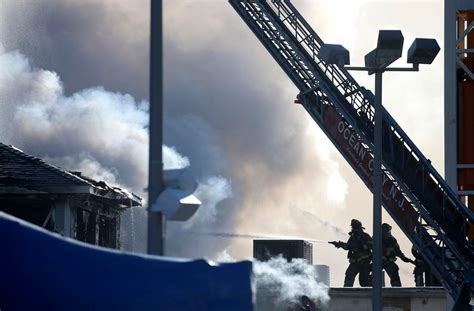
(156, 220)
(389, 49)
(170, 192)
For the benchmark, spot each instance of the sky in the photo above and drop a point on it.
(74, 87)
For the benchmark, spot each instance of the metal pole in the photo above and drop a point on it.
(156, 220)
(377, 189)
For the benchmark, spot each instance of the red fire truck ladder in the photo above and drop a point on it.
(414, 194)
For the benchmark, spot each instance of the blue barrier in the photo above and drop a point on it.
(40, 270)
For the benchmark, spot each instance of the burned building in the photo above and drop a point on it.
(61, 201)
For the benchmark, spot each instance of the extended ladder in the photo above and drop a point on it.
(414, 194)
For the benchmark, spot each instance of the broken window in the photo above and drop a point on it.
(97, 228)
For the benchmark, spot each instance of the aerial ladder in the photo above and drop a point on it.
(415, 195)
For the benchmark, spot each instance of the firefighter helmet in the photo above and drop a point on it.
(386, 227)
(356, 224)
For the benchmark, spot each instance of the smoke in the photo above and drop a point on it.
(92, 128)
(288, 281)
(327, 224)
(212, 191)
(88, 42)
(100, 133)
(280, 283)
(172, 159)
(88, 166)
(223, 256)
(229, 115)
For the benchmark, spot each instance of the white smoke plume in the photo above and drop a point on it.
(172, 159)
(212, 191)
(92, 128)
(325, 223)
(88, 166)
(288, 281)
(224, 256)
(280, 283)
(100, 133)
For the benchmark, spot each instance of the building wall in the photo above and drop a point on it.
(459, 90)
(395, 299)
(360, 299)
(323, 274)
(65, 215)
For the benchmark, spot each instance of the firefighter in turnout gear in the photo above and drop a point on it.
(420, 267)
(359, 247)
(390, 252)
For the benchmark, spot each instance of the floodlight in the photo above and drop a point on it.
(389, 49)
(370, 59)
(423, 51)
(176, 205)
(390, 44)
(334, 54)
(177, 201)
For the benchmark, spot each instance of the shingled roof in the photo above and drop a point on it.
(19, 170)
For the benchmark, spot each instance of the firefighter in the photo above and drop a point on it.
(390, 252)
(420, 267)
(420, 264)
(359, 247)
(422, 271)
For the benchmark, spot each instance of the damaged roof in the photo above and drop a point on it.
(19, 170)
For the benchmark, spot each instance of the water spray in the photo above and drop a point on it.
(251, 236)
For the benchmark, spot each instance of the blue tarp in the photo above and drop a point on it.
(40, 270)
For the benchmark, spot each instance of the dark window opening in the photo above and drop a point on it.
(90, 226)
(91, 231)
(81, 223)
(34, 211)
(107, 232)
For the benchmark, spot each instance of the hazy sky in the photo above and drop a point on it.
(264, 166)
